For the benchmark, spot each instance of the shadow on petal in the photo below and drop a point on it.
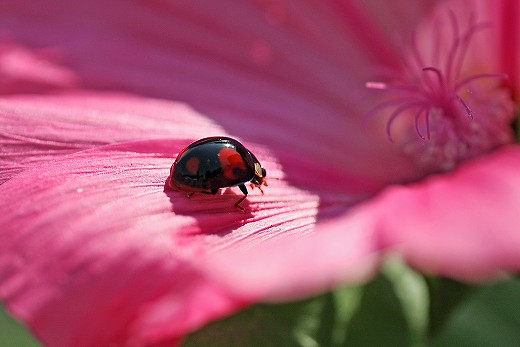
(214, 214)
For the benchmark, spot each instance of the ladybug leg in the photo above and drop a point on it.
(243, 189)
(253, 186)
(237, 204)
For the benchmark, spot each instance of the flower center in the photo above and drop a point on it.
(437, 112)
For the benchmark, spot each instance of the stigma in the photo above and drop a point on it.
(439, 108)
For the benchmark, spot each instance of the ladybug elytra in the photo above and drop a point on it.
(212, 163)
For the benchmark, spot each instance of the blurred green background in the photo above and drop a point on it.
(13, 334)
(398, 308)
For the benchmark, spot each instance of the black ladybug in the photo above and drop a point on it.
(212, 163)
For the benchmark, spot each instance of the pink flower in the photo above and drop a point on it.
(96, 251)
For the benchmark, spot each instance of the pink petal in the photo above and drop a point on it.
(343, 250)
(23, 70)
(39, 128)
(504, 39)
(463, 224)
(501, 39)
(272, 72)
(95, 230)
(94, 250)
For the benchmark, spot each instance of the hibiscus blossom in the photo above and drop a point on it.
(97, 250)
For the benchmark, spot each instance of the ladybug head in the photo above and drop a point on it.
(260, 174)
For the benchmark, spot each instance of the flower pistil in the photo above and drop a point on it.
(444, 113)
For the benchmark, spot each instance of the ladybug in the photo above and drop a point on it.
(217, 162)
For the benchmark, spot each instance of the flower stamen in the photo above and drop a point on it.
(469, 112)
(459, 115)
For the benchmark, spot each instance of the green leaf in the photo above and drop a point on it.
(12, 333)
(491, 317)
(380, 320)
(308, 323)
(446, 296)
(389, 311)
(411, 289)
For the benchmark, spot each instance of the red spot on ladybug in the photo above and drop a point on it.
(212, 163)
(192, 165)
(232, 163)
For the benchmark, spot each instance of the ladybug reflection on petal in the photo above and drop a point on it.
(212, 163)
